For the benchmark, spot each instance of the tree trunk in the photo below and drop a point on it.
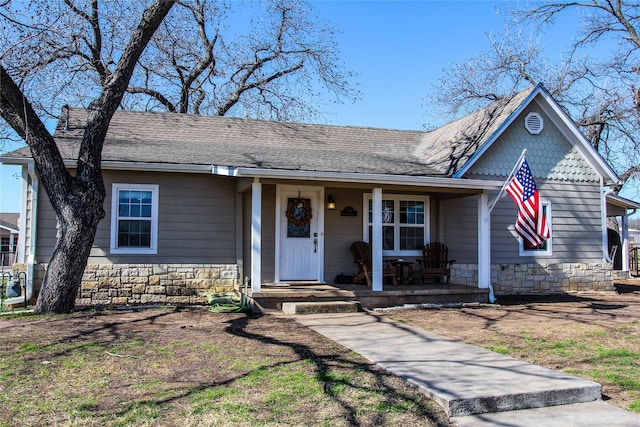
(76, 200)
(78, 222)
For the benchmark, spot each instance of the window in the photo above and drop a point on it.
(545, 248)
(405, 223)
(5, 245)
(134, 219)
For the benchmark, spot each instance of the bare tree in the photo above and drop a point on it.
(283, 65)
(600, 92)
(77, 52)
(76, 199)
(273, 70)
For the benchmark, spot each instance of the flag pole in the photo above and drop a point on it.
(506, 183)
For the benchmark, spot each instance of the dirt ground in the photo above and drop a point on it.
(559, 332)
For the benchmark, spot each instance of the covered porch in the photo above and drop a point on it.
(345, 210)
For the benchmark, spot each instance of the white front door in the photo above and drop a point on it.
(300, 241)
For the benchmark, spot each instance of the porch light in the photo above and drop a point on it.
(331, 203)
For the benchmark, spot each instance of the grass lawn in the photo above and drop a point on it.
(173, 367)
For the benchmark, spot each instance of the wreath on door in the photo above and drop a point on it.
(299, 212)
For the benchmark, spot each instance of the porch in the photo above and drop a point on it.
(272, 296)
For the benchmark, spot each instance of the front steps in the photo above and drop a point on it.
(320, 307)
(272, 297)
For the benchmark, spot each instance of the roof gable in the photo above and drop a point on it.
(549, 153)
(560, 119)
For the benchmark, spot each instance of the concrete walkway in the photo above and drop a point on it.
(476, 387)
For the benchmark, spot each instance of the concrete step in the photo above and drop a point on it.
(590, 414)
(462, 378)
(320, 307)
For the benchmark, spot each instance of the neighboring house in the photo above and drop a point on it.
(9, 235)
(196, 204)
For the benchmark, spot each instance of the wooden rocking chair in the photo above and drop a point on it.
(362, 257)
(435, 262)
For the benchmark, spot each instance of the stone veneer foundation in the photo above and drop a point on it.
(122, 284)
(539, 278)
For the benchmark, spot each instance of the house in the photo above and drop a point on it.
(197, 204)
(9, 235)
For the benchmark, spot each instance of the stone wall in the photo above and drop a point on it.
(122, 284)
(539, 278)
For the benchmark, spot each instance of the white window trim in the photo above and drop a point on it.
(538, 252)
(115, 189)
(396, 198)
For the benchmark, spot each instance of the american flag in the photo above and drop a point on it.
(531, 224)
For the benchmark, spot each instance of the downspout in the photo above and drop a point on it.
(30, 258)
(603, 214)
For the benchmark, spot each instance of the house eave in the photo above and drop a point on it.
(9, 229)
(367, 178)
(352, 177)
(622, 202)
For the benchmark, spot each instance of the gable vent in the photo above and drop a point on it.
(534, 123)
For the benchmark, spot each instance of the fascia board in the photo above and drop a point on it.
(15, 160)
(418, 181)
(474, 158)
(129, 166)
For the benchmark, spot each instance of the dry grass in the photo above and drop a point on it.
(191, 367)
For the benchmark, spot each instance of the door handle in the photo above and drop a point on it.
(315, 245)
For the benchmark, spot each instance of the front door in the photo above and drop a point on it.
(300, 235)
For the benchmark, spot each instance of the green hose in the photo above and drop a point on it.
(229, 302)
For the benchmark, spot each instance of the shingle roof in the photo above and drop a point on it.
(9, 220)
(169, 138)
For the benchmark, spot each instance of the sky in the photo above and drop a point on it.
(398, 50)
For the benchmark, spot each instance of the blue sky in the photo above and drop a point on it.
(398, 50)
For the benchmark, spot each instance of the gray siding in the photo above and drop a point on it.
(341, 232)
(460, 218)
(576, 226)
(563, 177)
(196, 220)
(268, 232)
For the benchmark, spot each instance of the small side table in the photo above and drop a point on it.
(400, 264)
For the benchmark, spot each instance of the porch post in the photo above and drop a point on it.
(624, 237)
(256, 235)
(376, 240)
(484, 244)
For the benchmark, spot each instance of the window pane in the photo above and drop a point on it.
(145, 211)
(411, 238)
(4, 246)
(411, 212)
(134, 204)
(387, 238)
(388, 213)
(135, 211)
(134, 233)
(124, 197)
